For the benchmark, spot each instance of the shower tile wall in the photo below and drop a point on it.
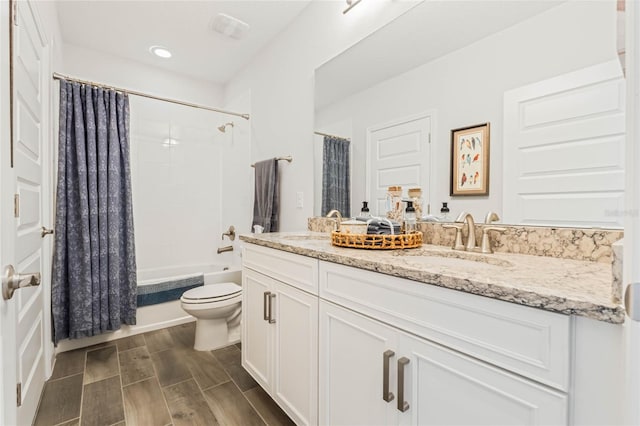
(176, 163)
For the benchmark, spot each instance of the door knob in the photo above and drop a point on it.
(632, 301)
(12, 281)
(45, 231)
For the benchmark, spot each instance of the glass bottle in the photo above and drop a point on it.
(364, 212)
(394, 203)
(444, 212)
(410, 218)
(416, 196)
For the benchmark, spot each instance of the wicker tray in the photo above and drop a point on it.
(377, 242)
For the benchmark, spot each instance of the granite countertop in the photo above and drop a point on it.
(568, 287)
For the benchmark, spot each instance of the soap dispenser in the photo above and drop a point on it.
(444, 212)
(410, 218)
(364, 213)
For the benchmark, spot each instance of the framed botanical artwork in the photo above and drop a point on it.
(470, 160)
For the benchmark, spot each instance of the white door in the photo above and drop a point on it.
(444, 387)
(564, 150)
(632, 220)
(296, 353)
(257, 336)
(352, 366)
(398, 153)
(24, 187)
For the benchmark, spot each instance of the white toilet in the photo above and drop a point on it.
(217, 310)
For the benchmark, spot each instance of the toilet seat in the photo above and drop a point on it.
(211, 293)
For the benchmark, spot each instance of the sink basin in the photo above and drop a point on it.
(448, 253)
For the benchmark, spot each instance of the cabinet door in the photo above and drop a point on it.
(295, 384)
(257, 337)
(352, 351)
(444, 387)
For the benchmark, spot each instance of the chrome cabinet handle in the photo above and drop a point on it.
(265, 307)
(402, 404)
(11, 281)
(386, 357)
(272, 296)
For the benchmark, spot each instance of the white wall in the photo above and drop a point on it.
(177, 190)
(237, 189)
(280, 80)
(88, 64)
(466, 87)
(176, 187)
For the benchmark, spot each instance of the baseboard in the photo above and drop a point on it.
(126, 331)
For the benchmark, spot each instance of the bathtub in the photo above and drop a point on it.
(213, 273)
(162, 315)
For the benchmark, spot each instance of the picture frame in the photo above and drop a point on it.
(470, 160)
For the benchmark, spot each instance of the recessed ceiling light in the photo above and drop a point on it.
(160, 51)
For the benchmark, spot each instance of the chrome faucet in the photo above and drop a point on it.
(224, 249)
(337, 214)
(465, 217)
(231, 233)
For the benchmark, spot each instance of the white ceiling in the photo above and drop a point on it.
(129, 28)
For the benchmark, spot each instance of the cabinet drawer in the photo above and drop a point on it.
(298, 271)
(528, 341)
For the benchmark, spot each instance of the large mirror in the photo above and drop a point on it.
(545, 75)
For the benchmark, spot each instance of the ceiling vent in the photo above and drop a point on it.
(229, 26)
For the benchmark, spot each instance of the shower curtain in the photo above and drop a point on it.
(94, 266)
(336, 183)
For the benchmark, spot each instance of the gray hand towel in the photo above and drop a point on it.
(266, 203)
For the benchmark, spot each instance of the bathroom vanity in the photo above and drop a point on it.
(429, 335)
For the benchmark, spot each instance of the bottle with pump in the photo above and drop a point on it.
(364, 213)
(410, 224)
(444, 212)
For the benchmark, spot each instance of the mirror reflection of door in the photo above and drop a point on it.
(398, 154)
(464, 75)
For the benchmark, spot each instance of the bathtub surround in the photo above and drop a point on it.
(266, 202)
(564, 286)
(590, 244)
(94, 264)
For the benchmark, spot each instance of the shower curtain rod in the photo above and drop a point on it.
(288, 159)
(332, 136)
(58, 76)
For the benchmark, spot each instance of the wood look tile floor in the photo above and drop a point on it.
(153, 379)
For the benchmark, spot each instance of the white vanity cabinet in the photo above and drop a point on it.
(351, 370)
(442, 386)
(377, 373)
(280, 329)
(339, 345)
(371, 373)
